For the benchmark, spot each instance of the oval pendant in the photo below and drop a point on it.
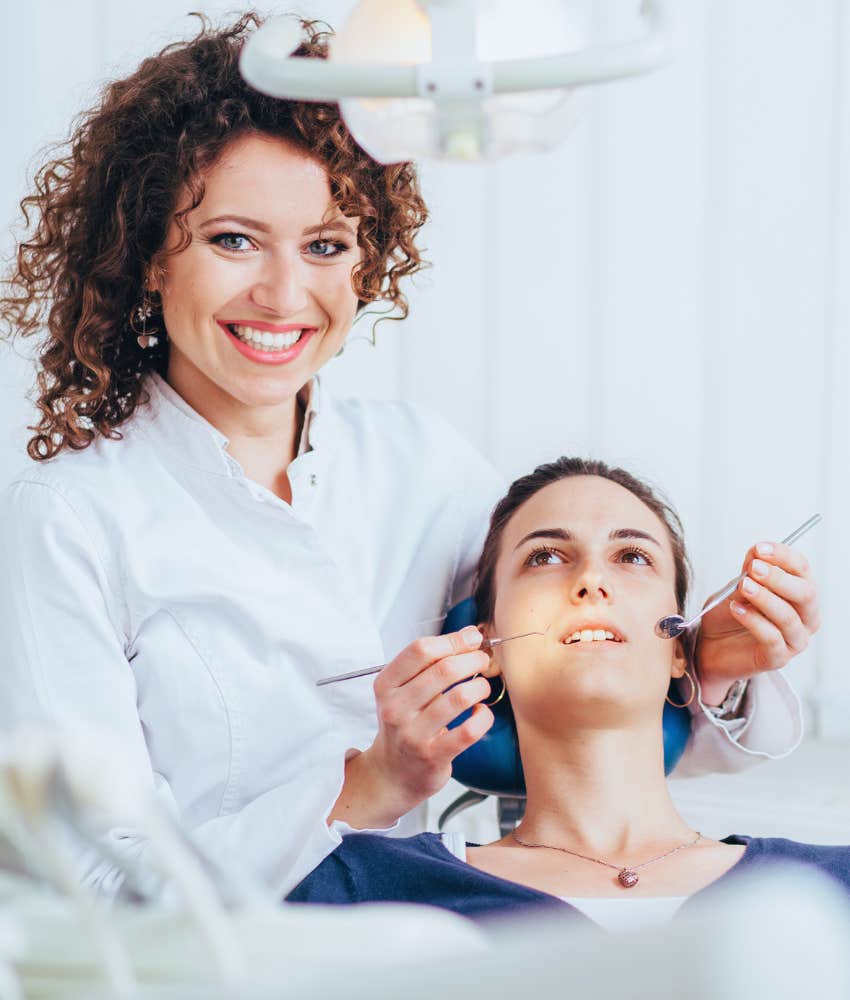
(628, 878)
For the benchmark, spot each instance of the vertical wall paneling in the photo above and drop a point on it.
(832, 692)
(445, 343)
(650, 316)
(769, 232)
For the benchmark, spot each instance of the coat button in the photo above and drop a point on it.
(313, 479)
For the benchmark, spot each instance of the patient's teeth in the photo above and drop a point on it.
(587, 635)
(609, 635)
(598, 635)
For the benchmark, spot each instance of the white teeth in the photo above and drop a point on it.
(264, 339)
(591, 635)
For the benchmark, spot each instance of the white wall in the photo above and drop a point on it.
(668, 290)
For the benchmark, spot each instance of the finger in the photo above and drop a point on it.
(422, 690)
(448, 705)
(451, 742)
(799, 591)
(772, 650)
(419, 655)
(790, 559)
(779, 612)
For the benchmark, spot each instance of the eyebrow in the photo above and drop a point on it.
(566, 536)
(335, 225)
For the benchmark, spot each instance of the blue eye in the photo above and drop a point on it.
(324, 248)
(232, 241)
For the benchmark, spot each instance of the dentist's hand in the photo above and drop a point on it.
(418, 694)
(768, 620)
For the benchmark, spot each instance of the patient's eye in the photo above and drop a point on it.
(544, 557)
(636, 557)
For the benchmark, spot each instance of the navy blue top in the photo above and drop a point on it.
(368, 868)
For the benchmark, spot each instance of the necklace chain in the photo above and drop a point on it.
(627, 873)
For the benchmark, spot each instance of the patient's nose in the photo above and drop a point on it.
(590, 586)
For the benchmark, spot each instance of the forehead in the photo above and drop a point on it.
(269, 179)
(587, 506)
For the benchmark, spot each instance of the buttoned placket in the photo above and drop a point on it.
(304, 474)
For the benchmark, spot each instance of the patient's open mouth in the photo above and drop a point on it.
(591, 635)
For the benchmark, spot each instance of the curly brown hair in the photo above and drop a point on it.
(102, 210)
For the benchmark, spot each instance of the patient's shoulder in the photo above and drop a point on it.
(369, 867)
(833, 859)
(373, 846)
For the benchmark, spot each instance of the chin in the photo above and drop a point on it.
(268, 388)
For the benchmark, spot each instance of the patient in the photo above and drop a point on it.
(592, 559)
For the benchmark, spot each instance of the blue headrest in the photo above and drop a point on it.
(493, 765)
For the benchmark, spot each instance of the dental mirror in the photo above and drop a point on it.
(675, 625)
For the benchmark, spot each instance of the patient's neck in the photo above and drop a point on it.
(599, 791)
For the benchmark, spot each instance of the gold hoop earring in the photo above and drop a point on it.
(693, 694)
(501, 694)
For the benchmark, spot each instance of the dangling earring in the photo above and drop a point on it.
(693, 694)
(138, 321)
(500, 695)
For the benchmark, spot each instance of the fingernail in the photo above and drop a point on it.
(737, 609)
(749, 587)
(760, 568)
(764, 549)
(472, 637)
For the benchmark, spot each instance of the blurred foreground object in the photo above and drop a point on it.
(781, 934)
(451, 79)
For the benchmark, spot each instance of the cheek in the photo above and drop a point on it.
(523, 609)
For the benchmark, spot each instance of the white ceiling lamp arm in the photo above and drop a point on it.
(440, 99)
(598, 64)
(266, 63)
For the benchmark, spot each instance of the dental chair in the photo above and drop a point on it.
(492, 766)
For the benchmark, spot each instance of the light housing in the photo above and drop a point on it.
(450, 79)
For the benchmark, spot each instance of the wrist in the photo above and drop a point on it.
(369, 799)
(723, 693)
(712, 692)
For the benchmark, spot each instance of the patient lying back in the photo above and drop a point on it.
(589, 560)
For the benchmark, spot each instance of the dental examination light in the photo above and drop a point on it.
(451, 79)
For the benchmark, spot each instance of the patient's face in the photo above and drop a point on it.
(588, 564)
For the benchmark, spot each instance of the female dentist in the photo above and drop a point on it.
(206, 532)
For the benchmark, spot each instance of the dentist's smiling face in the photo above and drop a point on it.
(588, 563)
(262, 297)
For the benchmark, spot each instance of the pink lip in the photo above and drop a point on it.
(270, 357)
(266, 327)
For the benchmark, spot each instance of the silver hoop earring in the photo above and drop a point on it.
(693, 694)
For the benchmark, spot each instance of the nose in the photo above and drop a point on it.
(280, 289)
(590, 585)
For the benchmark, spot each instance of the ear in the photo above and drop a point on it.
(680, 659)
(154, 277)
(492, 669)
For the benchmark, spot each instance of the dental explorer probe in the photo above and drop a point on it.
(675, 625)
(485, 646)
